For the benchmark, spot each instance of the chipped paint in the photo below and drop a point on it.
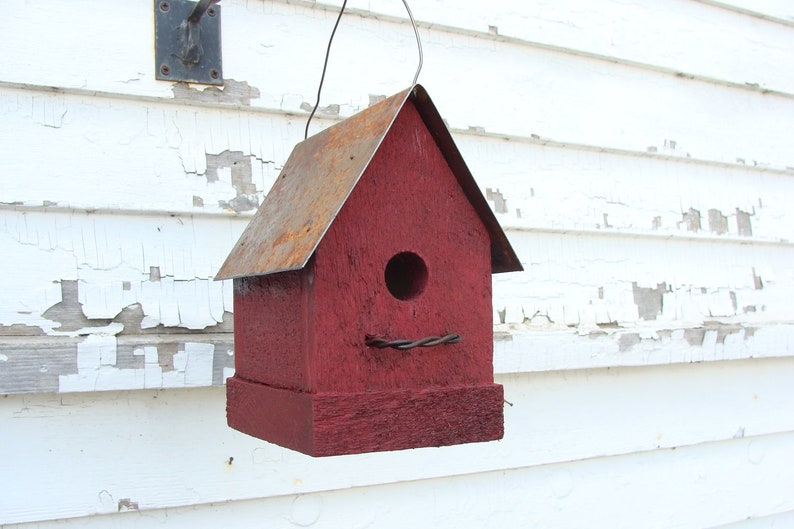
(99, 366)
(89, 276)
(143, 265)
(758, 283)
(498, 200)
(118, 199)
(232, 92)
(125, 504)
(236, 168)
(691, 219)
(649, 301)
(743, 223)
(567, 350)
(328, 110)
(718, 223)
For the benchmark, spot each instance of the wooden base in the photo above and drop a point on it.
(336, 424)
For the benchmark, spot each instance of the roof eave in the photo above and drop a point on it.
(503, 257)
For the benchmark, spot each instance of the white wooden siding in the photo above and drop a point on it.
(639, 155)
(673, 428)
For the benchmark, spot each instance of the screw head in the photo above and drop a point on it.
(164, 6)
(165, 69)
(215, 73)
(211, 12)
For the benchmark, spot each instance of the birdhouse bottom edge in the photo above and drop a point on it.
(336, 424)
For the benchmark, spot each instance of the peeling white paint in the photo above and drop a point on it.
(603, 347)
(578, 280)
(111, 260)
(198, 364)
(95, 358)
(562, 187)
(638, 155)
(97, 370)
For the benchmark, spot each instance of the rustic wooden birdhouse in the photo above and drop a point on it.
(375, 235)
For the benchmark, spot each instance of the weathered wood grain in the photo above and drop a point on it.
(96, 275)
(343, 423)
(99, 363)
(35, 364)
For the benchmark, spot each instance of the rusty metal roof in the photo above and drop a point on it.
(319, 176)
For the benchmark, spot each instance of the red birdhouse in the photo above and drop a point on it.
(374, 237)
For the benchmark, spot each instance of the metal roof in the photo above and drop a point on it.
(318, 178)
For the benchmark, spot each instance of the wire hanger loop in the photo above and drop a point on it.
(328, 53)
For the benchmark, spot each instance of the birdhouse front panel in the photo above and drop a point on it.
(406, 257)
(373, 237)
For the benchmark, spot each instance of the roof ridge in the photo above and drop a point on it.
(297, 212)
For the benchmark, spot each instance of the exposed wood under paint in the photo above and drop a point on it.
(328, 119)
(50, 364)
(227, 170)
(627, 291)
(55, 364)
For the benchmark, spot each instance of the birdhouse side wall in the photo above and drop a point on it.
(271, 328)
(408, 201)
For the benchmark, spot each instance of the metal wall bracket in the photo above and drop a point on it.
(187, 41)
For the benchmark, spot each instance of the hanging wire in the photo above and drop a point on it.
(328, 53)
(325, 66)
(418, 41)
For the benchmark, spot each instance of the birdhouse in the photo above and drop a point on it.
(362, 292)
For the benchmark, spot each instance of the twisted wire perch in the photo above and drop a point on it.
(427, 341)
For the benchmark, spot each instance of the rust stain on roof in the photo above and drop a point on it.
(319, 176)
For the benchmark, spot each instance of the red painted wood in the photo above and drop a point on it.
(304, 377)
(407, 200)
(337, 424)
(271, 338)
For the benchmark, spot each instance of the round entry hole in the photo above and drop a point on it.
(406, 275)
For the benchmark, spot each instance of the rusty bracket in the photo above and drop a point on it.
(187, 41)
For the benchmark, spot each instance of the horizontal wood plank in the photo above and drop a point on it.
(207, 161)
(601, 102)
(150, 361)
(89, 282)
(636, 33)
(166, 449)
(585, 281)
(701, 490)
(731, 50)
